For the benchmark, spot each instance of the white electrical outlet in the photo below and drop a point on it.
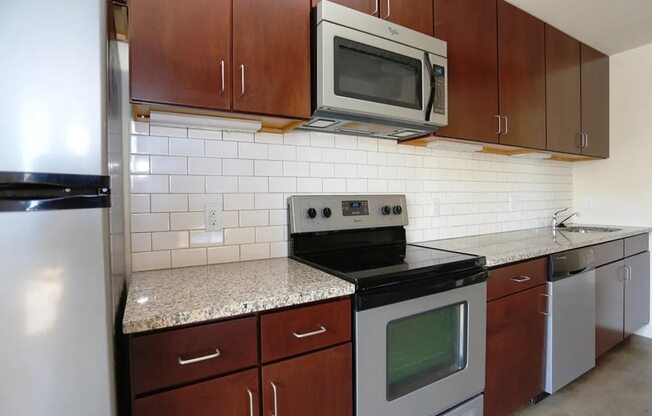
(213, 217)
(589, 202)
(435, 207)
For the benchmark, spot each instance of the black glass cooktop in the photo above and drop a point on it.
(393, 263)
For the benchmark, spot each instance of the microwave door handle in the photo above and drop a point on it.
(431, 99)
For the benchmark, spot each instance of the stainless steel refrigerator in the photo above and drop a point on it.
(56, 161)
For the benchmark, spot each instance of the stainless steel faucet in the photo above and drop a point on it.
(560, 224)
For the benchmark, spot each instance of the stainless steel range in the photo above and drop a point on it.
(420, 313)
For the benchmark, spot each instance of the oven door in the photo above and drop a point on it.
(359, 73)
(422, 356)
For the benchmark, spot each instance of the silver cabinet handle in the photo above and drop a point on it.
(506, 125)
(222, 70)
(199, 359)
(251, 402)
(321, 330)
(624, 277)
(586, 146)
(375, 12)
(242, 80)
(389, 9)
(547, 312)
(629, 274)
(520, 279)
(500, 124)
(275, 398)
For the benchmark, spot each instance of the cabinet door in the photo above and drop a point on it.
(415, 14)
(637, 293)
(595, 101)
(180, 52)
(516, 327)
(563, 105)
(236, 394)
(271, 57)
(522, 80)
(365, 6)
(473, 63)
(317, 384)
(609, 306)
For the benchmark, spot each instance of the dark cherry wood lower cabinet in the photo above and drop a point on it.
(236, 394)
(516, 327)
(317, 384)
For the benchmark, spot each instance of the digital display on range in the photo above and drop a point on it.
(351, 208)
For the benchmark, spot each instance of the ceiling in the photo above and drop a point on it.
(611, 26)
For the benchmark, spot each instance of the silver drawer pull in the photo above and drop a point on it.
(199, 359)
(547, 312)
(251, 402)
(520, 279)
(321, 330)
(275, 398)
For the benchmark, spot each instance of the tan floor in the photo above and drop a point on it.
(621, 384)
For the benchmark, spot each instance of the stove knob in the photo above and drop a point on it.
(326, 212)
(398, 210)
(386, 210)
(312, 213)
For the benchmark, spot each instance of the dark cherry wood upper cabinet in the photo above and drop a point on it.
(180, 52)
(236, 394)
(365, 6)
(563, 92)
(595, 101)
(317, 384)
(515, 351)
(415, 14)
(473, 64)
(522, 77)
(271, 57)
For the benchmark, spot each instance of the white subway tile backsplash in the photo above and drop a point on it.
(253, 184)
(169, 203)
(187, 184)
(221, 149)
(449, 194)
(168, 165)
(149, 184)
(254, 251)
(237, 167)
(170, 240)
(139, 203)
(187, 221)
(150, 260)
(238, 202)
(149, 222)
(239, 235)
(149, 145)
(155, 130)
(189, 257)
(186, 147)
(226, 254)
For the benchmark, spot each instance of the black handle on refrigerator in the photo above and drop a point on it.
(33, 191)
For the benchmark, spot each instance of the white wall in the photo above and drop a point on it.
(618, 190)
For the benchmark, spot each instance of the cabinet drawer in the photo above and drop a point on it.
(517, 277)
(236, 394)
(304, 329)
(636, 244)
(174, 357)
(608, 252)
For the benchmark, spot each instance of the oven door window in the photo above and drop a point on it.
(425, 348)
(376, 75)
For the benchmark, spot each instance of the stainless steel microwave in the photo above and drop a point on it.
(374, 78)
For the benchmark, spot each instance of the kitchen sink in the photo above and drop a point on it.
(580, 229)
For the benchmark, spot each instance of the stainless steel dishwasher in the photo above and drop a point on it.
(570, 349)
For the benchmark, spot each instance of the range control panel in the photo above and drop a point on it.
(312, 213)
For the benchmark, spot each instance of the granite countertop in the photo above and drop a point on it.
(172, 297)
(513, 246)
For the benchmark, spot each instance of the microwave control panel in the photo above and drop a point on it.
(439, 105)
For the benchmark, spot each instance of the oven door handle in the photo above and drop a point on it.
(431, 75)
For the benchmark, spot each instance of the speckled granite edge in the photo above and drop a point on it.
(493, 261)
(168, 298)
